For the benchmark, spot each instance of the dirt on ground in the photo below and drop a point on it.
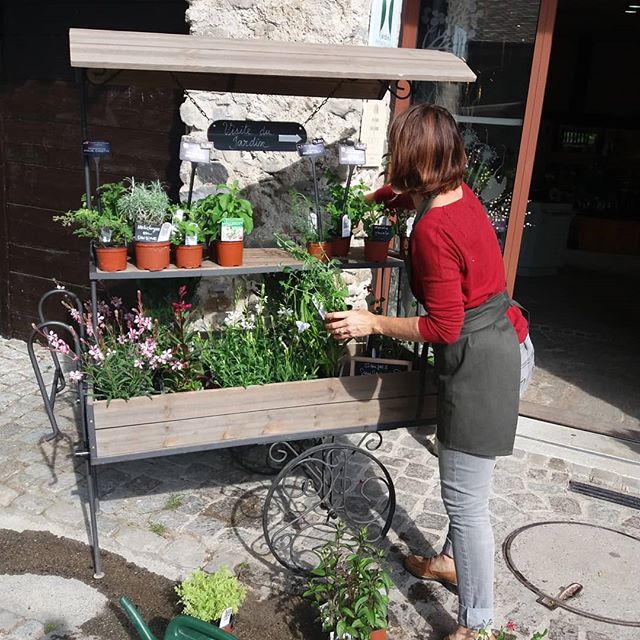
(279, 617)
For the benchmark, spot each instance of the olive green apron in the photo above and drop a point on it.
(478, 377)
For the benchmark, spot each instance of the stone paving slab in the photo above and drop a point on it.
(173, 514)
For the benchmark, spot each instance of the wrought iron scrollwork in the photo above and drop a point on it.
(313, 492)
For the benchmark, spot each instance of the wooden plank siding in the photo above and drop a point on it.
(41, 170)
(174, 422)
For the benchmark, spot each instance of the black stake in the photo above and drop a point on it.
(352, 168)
(317, 197)
(194, 165)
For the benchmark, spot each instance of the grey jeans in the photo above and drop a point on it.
(465, 482)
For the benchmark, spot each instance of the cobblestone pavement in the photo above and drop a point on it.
(216, 519)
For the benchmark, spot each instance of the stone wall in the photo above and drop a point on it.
(269, 176)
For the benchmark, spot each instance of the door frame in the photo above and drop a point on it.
(530, 125)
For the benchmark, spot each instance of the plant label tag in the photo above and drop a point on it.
(313, 219)
(410, 222)
(105, 235)
(383, 220)
(352, 154)
(178, 215)
(191, 241)
(165, 232)
(332, 635)
(346, 226)
(381, 232)
(318, 305)
(232, 230)
(96, 148)
(225, 618)
(147, 232)
(193, 151)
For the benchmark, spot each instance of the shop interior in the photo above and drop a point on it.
(579, 268)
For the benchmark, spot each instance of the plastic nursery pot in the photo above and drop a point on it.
(320, 250)
(378, 634)
(229, 253)
(375, 250)
(111, 258)
(189, 256)
(153, 256)
(340, 247)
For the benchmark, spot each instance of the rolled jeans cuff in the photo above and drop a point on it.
(474, 618)
(447, 549)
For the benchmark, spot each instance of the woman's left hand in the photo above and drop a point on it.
(344, 325)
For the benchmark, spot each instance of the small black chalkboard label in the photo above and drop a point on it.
(147, 232)
(96, 148)
(256, 135)
(361, 366)
(382, 232)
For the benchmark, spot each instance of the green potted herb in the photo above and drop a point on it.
(146, 206)
(350, 589)
(305, 224)
(188, 239)
(212, 597)
(379, 232)
(226, 219)
(345, 203)
(109, 230)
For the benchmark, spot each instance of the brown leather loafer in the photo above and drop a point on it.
(420, 567)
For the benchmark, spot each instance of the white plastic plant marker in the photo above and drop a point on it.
(225, 618)
(232, 230)
(191, 241)
(410, 222)
(346, 226)
(105, 235)
(165, 232)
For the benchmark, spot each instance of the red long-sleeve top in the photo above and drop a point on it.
(456, 264)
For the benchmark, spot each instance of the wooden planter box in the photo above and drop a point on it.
(196, 420)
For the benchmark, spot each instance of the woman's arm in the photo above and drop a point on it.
(344, 325)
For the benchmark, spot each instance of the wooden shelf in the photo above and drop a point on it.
(258, 260)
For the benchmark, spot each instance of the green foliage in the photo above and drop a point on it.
(188, 225)
(49, 627)
(356, 207)
(301, 209)
(225, 203)
(158, 528)
(173, 502)
(507, 634)
(207, 595)
(371, 217)
(91, 223)
(144, 203)
(349, 587)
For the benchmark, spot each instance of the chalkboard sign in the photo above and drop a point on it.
(256, 135)
(96, 148)
(147, 232)
(382, 232)
(361, 366)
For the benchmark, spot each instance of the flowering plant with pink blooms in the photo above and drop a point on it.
(507, 633)
(129, 353)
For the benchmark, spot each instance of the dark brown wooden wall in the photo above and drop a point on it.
(40, 162)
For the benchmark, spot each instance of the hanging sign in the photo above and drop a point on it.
(256, 135)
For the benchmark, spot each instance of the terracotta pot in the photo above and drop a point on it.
(189, 256)
(320, 250)
(375, 250)
(229, 254)
(340, 247)
(153, 256)
(111, 258)
(378, 634)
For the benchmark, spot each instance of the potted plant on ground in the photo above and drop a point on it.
(379, 231)
(212, 597)
(305, 224)
(146, 206)
(350, 589)
(109, 230)
(188, 239)
(226, 218)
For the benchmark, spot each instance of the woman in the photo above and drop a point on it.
(480, 341)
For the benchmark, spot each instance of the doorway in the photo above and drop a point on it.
(579, 265)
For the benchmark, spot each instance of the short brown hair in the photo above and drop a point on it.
(426, 152)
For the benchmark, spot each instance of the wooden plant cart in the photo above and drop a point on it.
(316, 486)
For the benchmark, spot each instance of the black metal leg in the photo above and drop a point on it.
(93, 501)
(94, 306)
(47, 399)
(96, 492)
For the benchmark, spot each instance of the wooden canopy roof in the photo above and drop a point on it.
(255, 66)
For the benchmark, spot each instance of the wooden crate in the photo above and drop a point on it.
(175, 423)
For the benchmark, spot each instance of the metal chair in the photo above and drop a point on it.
(180, 628)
